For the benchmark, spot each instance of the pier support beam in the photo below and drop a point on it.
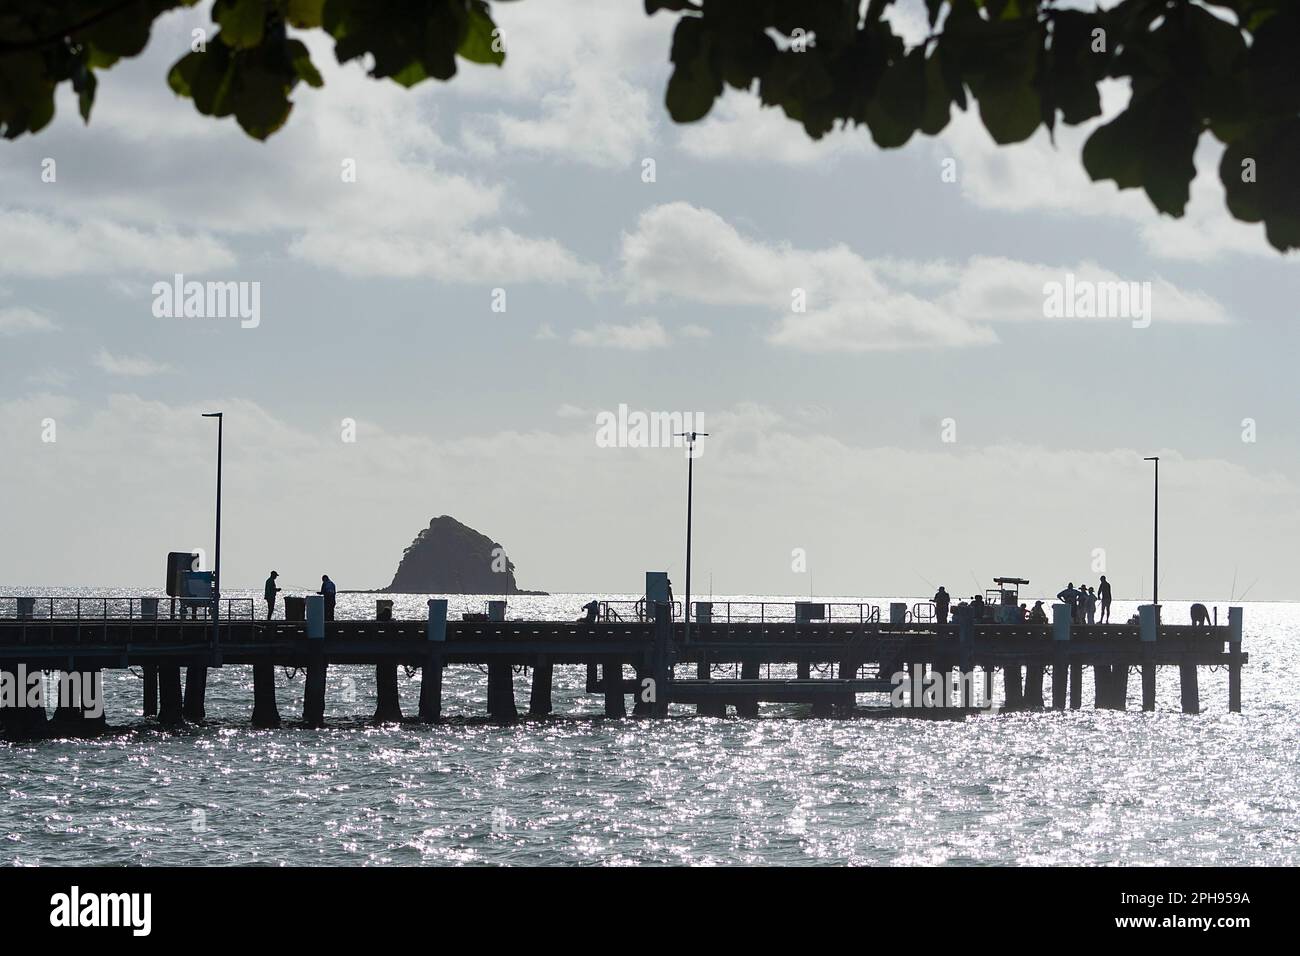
(641, 705)
(612, 672)
(1191, 692)
(196, 688)
(169, 695)
(1234, 660)
(149, 677)
(313, 700)
(539, 700)
(1061, 649)
(661, 663)
(501, 691)
(1147, 617)
(1119, 687)
(266, 715)
(1101, 686)
(704, 672)
(1011, 688)
(1033, 699)
(749, 670)
(1076, 686)
(435, 633)
(388, 707)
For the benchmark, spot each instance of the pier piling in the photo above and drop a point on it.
(313, 700)
(612, 672)
(1011, 688)
(169, 695)
(1191, 693)
(539, 700)
(266, 714)
(1149, 622)
(149, 677)
(1234, 660)
(501, 691)
(196, 688)
(435, 635)
(1033, 699)
(388, 706)
(749, 670)
(1061, 653)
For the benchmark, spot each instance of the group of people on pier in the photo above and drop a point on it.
(327, 591)
(1083, 602)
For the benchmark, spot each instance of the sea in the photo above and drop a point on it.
(1081, 787)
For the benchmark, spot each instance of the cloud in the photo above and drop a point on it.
(633, 337)
(756, 499)
(1038, 177)
(35, 245)
(739, 129)
(128, 366)
(834, 299)
(19, 320)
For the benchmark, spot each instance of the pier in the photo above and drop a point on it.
(923, 668)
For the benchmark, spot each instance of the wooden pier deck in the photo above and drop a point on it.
(849, 659)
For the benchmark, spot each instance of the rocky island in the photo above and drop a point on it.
(452, 558)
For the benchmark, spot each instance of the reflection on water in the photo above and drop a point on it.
(1084, 787)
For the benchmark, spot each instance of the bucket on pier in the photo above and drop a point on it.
(897, 612)
(295, 609)
(26, 608)
(149, 609)
(383, 610)
(703, 612)
(496, 610)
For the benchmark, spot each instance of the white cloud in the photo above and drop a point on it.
(740, 129)
(1037, 177)
(850, 302)
(19, 320)
(36, 245)
(128, 366)
(756, 464)
(633, 337)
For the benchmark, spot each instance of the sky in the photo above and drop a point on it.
(889, 404)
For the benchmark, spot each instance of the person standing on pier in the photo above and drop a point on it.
(1090, 605)
(327, 591)
(942, 600)
(1071, 597)
(270, 592)
(1103, 591)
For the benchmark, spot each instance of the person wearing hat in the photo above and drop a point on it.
(270, 593)
(1038, 615)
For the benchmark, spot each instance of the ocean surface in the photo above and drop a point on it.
(1085, 787)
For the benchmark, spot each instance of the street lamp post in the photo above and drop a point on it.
(216, 558)
(1155, 538)
(690, 484)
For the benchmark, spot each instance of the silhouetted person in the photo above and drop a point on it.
(593, 609)
(1024, 614)
(1038, 615)
(1200, 616)
(1071, 597)
(1089, 604)
(1103, 592)
(942, 599)
(328, 591)
(977, 610)
(270, 593)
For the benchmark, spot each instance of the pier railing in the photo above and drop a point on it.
(786, 612)
(120, 608)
